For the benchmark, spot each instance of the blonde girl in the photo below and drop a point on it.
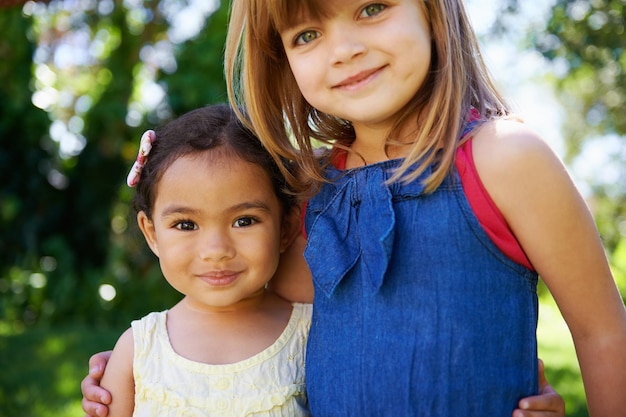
(431, 218)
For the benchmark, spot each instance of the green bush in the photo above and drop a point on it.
(42, 369)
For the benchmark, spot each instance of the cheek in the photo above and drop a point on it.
(170, 270)
(174, 252)
(265, 251)
(170, 261)
(304, 77)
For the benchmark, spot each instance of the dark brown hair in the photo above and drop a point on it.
(206, 129)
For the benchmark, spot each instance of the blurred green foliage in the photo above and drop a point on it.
(42, 369)
(586, 43)
(69, 130)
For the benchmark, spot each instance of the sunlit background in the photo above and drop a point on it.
(81, 79)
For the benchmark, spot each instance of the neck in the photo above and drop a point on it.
(228, 334)
(369, 145)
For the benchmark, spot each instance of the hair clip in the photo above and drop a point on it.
(145, 145)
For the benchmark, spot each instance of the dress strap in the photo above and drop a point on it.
(488, 214)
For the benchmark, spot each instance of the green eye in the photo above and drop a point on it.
(372, 9)
(306, 37)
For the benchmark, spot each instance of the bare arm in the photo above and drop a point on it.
(118, 377)
(293, 280)
(96, 399)
(551, 221)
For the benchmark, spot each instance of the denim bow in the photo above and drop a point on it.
(356, 225)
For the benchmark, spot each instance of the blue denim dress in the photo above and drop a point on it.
(416, 311)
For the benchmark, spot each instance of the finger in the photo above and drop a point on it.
(92, 392)
(97, 363)
(546, 404)
(93, 409)
(528, 413)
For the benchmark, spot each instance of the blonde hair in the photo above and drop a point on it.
(260, 80)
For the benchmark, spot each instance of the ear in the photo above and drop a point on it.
(149, 233)
(291, 227)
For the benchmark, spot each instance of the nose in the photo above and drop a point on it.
(215, 245)
(346, 43)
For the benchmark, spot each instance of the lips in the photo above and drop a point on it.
(219, 278)
(357, 80)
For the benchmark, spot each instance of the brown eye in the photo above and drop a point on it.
(186, 225)
(244, 222)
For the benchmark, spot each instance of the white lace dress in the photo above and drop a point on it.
(269, 384)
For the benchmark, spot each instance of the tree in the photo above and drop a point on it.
(585, 40)
(70, 120)
(28, 202)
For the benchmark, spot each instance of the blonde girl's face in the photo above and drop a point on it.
(363, 61)
(216, 229)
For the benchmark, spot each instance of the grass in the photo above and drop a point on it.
(41, 369)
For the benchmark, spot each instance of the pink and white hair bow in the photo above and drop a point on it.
(144, 149)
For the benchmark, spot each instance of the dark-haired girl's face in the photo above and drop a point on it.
(364, 61)
(217, 229)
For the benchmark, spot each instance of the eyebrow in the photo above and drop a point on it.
(174, 209)
(254, 204)
(246, 205)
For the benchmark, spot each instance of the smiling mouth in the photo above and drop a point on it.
(359, 79)
(219, 279)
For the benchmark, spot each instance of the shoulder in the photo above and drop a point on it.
(509, 144)
(145, 333)
(305, 310)
(514, 162)
(525, 179)
(125, 343)
(292, 280)
(535, 194)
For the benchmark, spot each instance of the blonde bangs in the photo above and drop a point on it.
(286, 14)
(261, 86)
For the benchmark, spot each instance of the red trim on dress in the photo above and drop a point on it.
(485, 210)
(488, 214)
